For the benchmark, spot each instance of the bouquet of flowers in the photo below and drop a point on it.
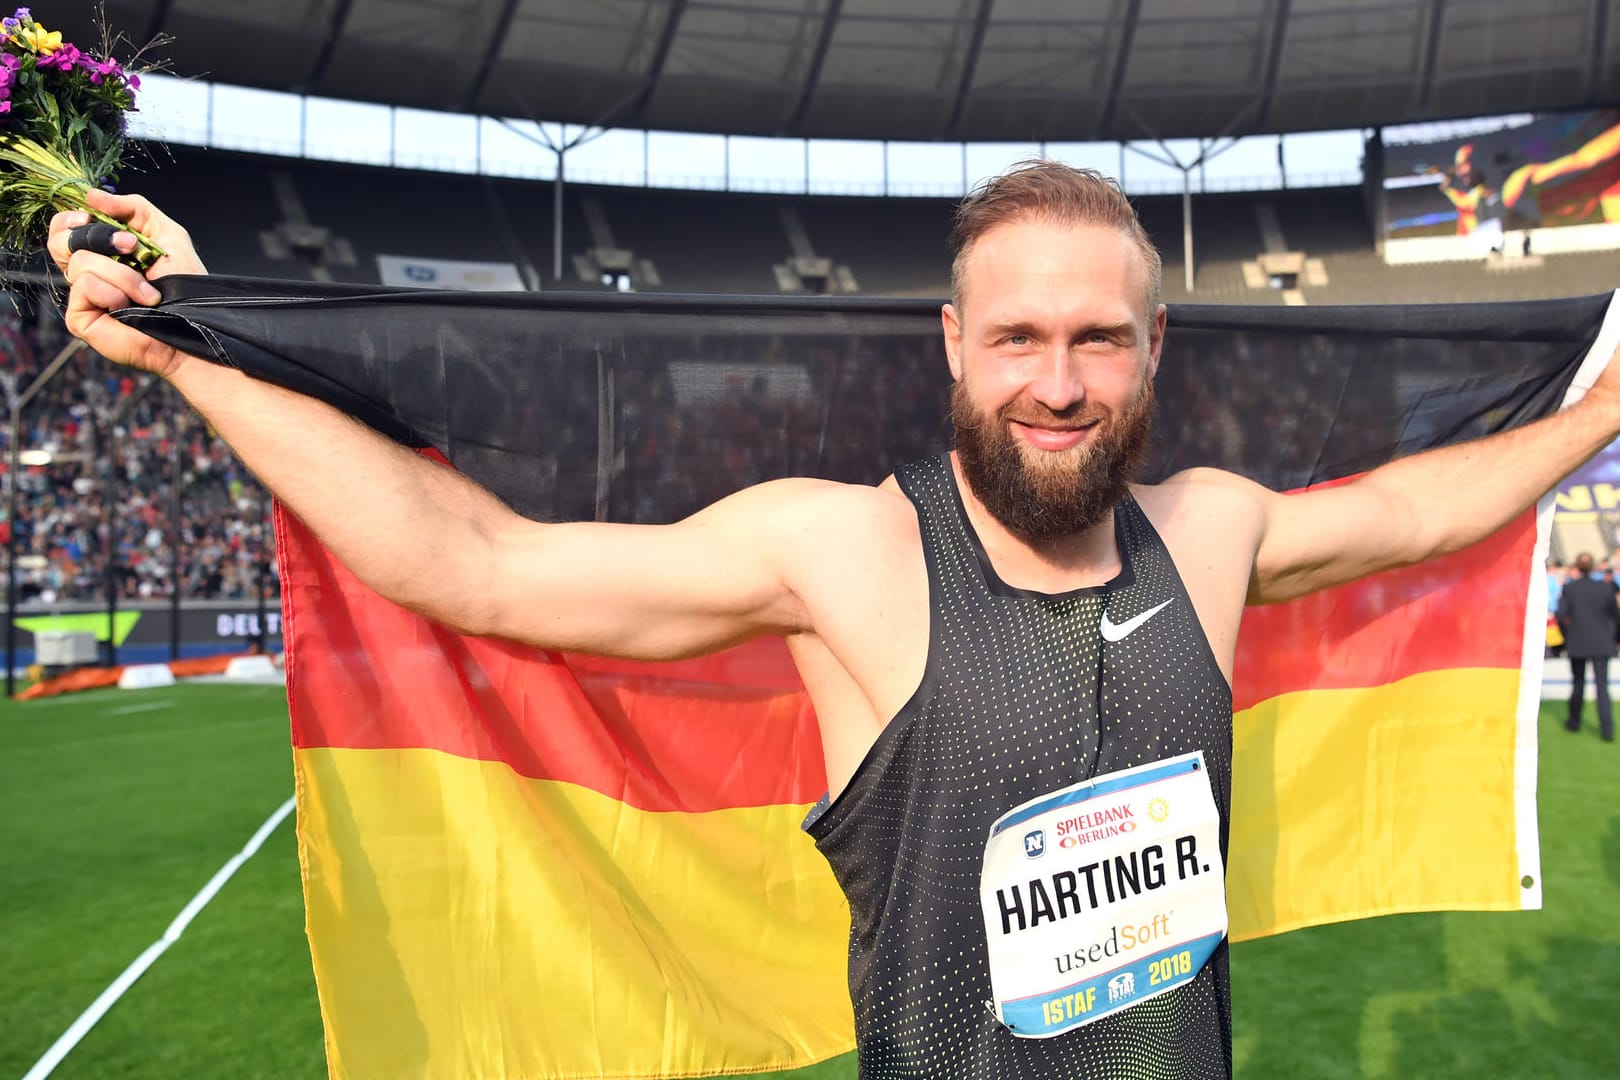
(62, 130)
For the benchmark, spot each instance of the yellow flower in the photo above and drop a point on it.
(39, 39)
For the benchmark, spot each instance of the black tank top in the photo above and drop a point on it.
(1008, 709)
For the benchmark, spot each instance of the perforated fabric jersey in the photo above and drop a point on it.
(1008, 709)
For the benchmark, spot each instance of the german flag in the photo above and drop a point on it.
(519, 863)
(1383, 744)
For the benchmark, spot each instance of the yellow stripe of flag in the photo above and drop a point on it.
(1351, 803)
(514, 927)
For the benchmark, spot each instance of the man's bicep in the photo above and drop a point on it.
(1317, 539)
(652, 592)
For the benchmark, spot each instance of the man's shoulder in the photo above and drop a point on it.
(815, 493)
(837, 546)
(1205, 510)
(1199, 489)
(817, 511)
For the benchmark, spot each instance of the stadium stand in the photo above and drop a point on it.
(363, 213)
(695, 241)
(196, 181)
(893, 247)
(1322, 221)
(294, 218)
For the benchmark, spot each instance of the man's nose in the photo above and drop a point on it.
(1058, 383)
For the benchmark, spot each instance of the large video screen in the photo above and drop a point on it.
(1534, 172)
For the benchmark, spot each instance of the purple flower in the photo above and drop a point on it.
(5, 107)
(101, 69)
(63, 59)
(134, 82)
(24, 13)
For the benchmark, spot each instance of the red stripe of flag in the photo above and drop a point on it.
(369, 675)
(1464, 610)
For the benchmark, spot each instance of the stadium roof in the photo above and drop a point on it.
(980, 70)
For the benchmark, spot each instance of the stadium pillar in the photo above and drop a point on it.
(1206, 151)
(109, 514)
(14, 476)
(11, 560)
(586, 134)
(557, 218)
(1186, 224)
(176, 537)
(261, 636)
(560, 146)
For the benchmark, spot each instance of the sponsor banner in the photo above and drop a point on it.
(211, 626)
(1102, 895)
(413, 273)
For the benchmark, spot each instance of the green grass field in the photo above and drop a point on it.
(115, 808)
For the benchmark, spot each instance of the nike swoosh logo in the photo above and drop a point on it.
(1113, 631)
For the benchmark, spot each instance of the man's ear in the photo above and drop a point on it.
(1156, 340)
(950, 321)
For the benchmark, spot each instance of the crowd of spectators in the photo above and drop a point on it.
(113, 437)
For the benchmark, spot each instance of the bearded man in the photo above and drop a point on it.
(1020, 661)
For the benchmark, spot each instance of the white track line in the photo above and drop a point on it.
(98, 1008)
(65, 699)
(145, 706)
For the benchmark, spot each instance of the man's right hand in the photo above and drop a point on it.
(101, 285)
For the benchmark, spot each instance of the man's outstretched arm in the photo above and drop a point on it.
(435, 542)
(1421, 506)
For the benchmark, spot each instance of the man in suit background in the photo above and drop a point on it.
(1588, 614)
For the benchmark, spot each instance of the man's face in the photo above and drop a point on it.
(1053, 350)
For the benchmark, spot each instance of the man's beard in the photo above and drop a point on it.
(1061, 493)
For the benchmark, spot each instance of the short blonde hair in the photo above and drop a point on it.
(1051, 191)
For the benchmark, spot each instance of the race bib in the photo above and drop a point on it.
(1102, 895)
